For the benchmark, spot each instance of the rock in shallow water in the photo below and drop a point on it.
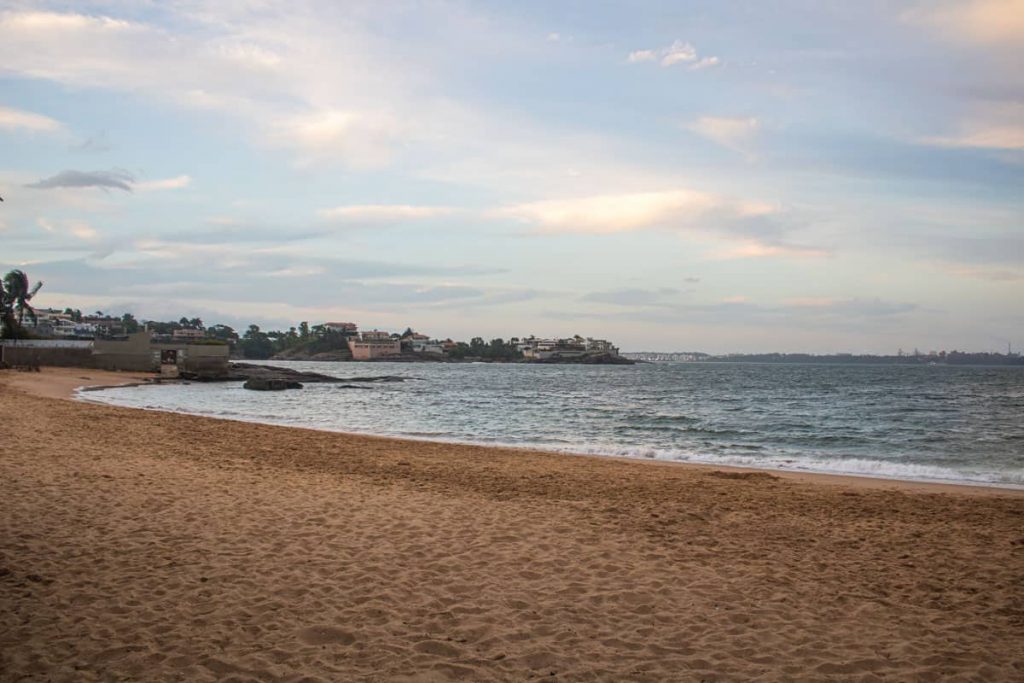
(257, 384)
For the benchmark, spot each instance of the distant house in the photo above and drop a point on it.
(188, 333)
(343, 328)
(50, 322)
(427, 345)
(572, 347)
(105, 326)
(422, 343)
(601, 346)
(374, 344)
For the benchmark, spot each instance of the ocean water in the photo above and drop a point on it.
(932, 423)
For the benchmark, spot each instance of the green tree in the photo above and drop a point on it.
(223, 332)
(304, 330)
(131, 325)
(256, 344)
(460, 351)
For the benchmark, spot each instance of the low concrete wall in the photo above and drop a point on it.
(74, 357)
(138, 354)
(207, 366)
(131, 362)
(133, 354)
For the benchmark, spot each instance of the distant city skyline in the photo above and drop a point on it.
(741, 177)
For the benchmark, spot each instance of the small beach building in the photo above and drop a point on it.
(138, 352)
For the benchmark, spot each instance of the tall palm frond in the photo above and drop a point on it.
(15, 295)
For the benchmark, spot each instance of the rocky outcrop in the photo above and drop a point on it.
(336, 355)
(241, 372)
(244, 372)
(271, 384)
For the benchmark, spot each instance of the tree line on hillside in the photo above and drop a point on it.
(257, 344)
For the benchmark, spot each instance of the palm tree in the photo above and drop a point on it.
(15, 295)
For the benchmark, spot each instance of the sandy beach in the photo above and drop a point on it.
(139, 545)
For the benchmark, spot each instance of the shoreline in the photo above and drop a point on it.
(115, 380)
(155, 545)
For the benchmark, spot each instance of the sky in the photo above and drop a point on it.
(774, 175)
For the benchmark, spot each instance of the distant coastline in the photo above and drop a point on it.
(943, 358)
(337, 357)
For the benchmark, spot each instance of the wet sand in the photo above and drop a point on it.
(139, 545)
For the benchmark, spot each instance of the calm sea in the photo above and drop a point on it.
(961, 424)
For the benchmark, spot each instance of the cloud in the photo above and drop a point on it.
(641, 56)
(107, 180)
(298, 271)
(383, 213)
(990, 127)
(78, 229)
(985, 22)
(382, 102)
(704, 63)
(678, 52)
(264, 67)
(631, 297)
(316, 283)
(1009, 137)
(747, 229)
(734, 133)
(855, 308)
(17, 119)
(118, 180)
(364, 139)
(82, 230)
(995, 126)
(602, 214)
(986, 273)
(175, 183)
(988, 250)
(741, 310)
(756, 249)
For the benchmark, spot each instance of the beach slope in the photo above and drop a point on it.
(145, 545)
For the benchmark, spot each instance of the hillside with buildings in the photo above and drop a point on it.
(329, 341)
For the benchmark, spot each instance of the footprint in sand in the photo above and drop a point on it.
(325, 635)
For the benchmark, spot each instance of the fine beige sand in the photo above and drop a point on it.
(140, 545)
